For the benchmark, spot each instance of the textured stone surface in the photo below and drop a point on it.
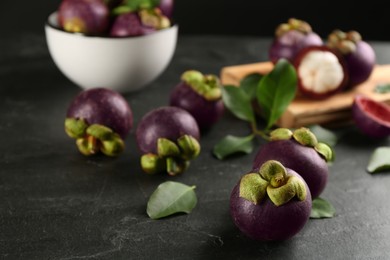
(57, 204)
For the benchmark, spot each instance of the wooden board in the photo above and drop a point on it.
(334, 110)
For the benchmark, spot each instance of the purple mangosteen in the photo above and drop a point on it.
(99, 119)
(201, 96)
(272, 203)
(359, 55)
(290, 38)
(167, 7)
(301, 152)
(143, 22)
(168, 138)
(84, 16)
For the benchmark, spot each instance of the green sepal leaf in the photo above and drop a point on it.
(276, 90)
(322, 208)
(238, 102)
(232, 144)
(253, 187)
(249, 84)
(380, 160)
(134, 5)
(170, 198)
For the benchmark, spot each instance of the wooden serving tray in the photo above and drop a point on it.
(333, 111)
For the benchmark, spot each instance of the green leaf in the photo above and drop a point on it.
(322, 209)
(249, 84)
(382, 88)
(276, 90)
(134, 5)
(324, 135)
(170, 198)
(380, 160)
(233, 144)
(238, 102)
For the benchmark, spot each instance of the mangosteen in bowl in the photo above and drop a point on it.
(124, 64)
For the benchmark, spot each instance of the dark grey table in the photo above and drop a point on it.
(58, 204)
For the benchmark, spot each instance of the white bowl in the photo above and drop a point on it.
(122, 64)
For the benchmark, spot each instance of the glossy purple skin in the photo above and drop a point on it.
(94, 14)
(105, 107)
(206, 113)
(360, 63)
(164, 122)
(167, 7)
(371, 117)
(129, 24)
(302, 159)
(289, 44)
(267, 222)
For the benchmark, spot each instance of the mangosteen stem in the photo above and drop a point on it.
(273, 180)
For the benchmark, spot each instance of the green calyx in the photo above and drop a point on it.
(95, 138)
(208, 86)
(304, 137)
(293, 24)
(274, 181)
(154, 18)
(345, 42)
(174, 158)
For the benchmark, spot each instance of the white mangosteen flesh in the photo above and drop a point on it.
(320, 72)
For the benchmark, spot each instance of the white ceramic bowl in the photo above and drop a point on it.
(122, 64)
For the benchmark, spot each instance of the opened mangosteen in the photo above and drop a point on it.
(290, 38)
(359, 55)
(272, 203)
(300, 151)
(168, 138)
(321, 72)
(84, 16)
(371, 117)
(201, 96)
(99, 119)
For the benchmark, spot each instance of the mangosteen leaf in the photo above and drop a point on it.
(324, 135)
(276, 90)
(134, 5)
(232, 144)
(322, 208)
(380, 160)
(170, 198)
(382, 88)
(238, 102)
(249, 84)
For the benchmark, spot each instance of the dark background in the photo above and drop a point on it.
(244, 17)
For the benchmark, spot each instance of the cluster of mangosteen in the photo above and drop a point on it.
(168, 137)
(324, 67)
(114, 18)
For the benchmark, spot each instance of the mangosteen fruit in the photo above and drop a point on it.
(99, 119)
(168, 139)
(201, 96)
(84, 16)
(167, 7)
(300, 151)
(142, 22)
(270, 204)
(321, 72)
(290, 38)
(359, 55)
(371, 117)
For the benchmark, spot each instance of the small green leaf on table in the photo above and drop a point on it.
(249, 84)
(322, 209)
(238, 102)
(232, 145)
(276, 90)
(380, 160)
(170, 198)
